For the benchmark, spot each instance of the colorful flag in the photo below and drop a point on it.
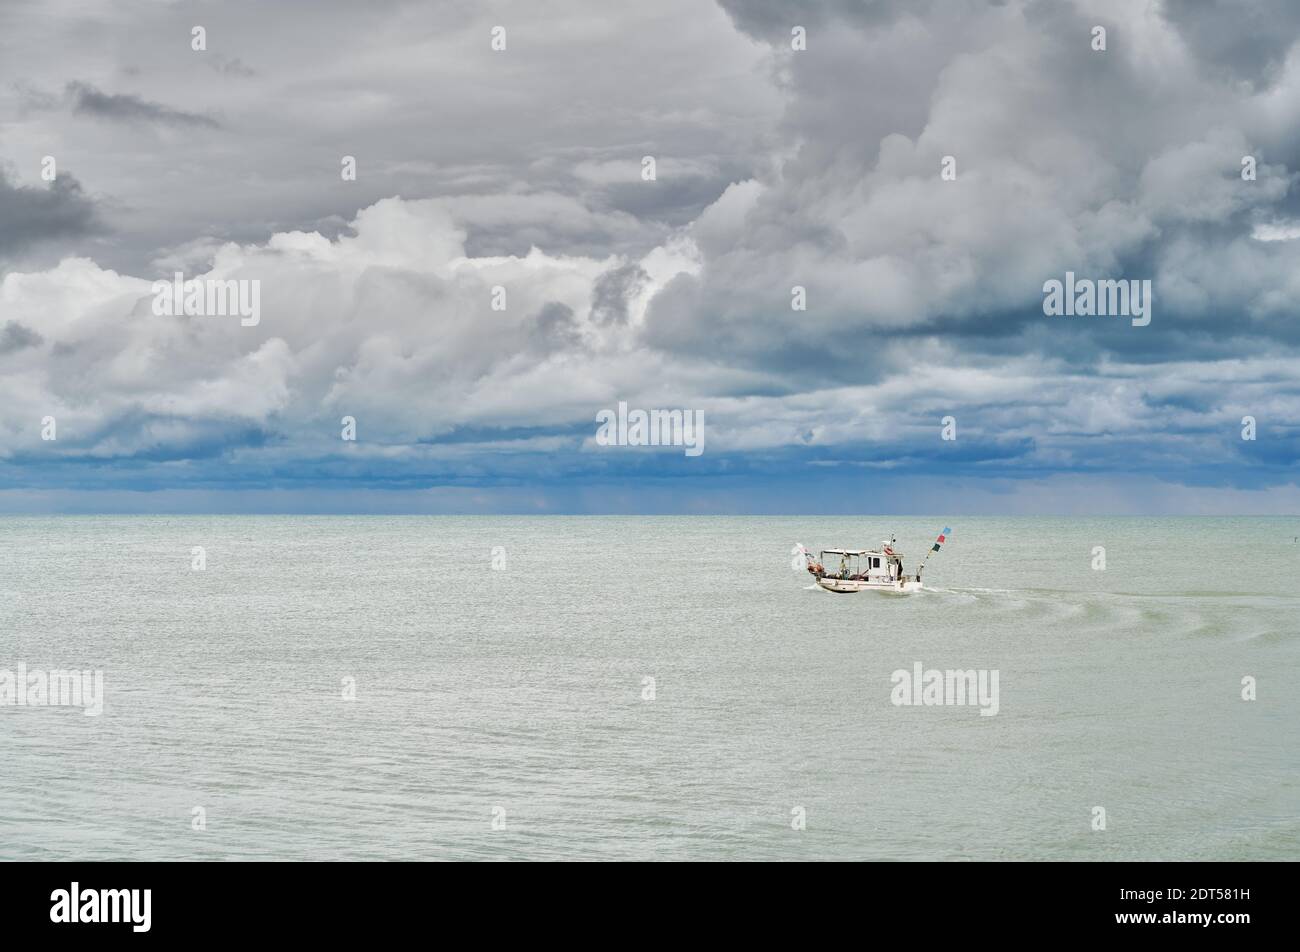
(943, 537)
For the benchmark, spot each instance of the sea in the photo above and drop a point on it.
(649, 688)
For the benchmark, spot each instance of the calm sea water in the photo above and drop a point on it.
(518, 692)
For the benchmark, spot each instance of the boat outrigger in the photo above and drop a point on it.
(860, 570)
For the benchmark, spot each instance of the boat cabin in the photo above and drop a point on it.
(867, 565)
(860, 570)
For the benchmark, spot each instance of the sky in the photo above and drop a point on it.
(919, 169)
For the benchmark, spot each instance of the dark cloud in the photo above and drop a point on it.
(122, 107)
(31, 214)
(1248, 39)
(554, 328)
(612, 292)
(675, 199)
(772, 20)
(15, 336)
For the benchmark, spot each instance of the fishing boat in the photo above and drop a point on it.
(862, 570)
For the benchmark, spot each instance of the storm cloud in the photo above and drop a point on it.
(87, 100)
(843, 245)
(30, 214)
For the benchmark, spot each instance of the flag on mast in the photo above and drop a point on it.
(943, 537)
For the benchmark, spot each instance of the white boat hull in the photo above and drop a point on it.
(846, 586)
